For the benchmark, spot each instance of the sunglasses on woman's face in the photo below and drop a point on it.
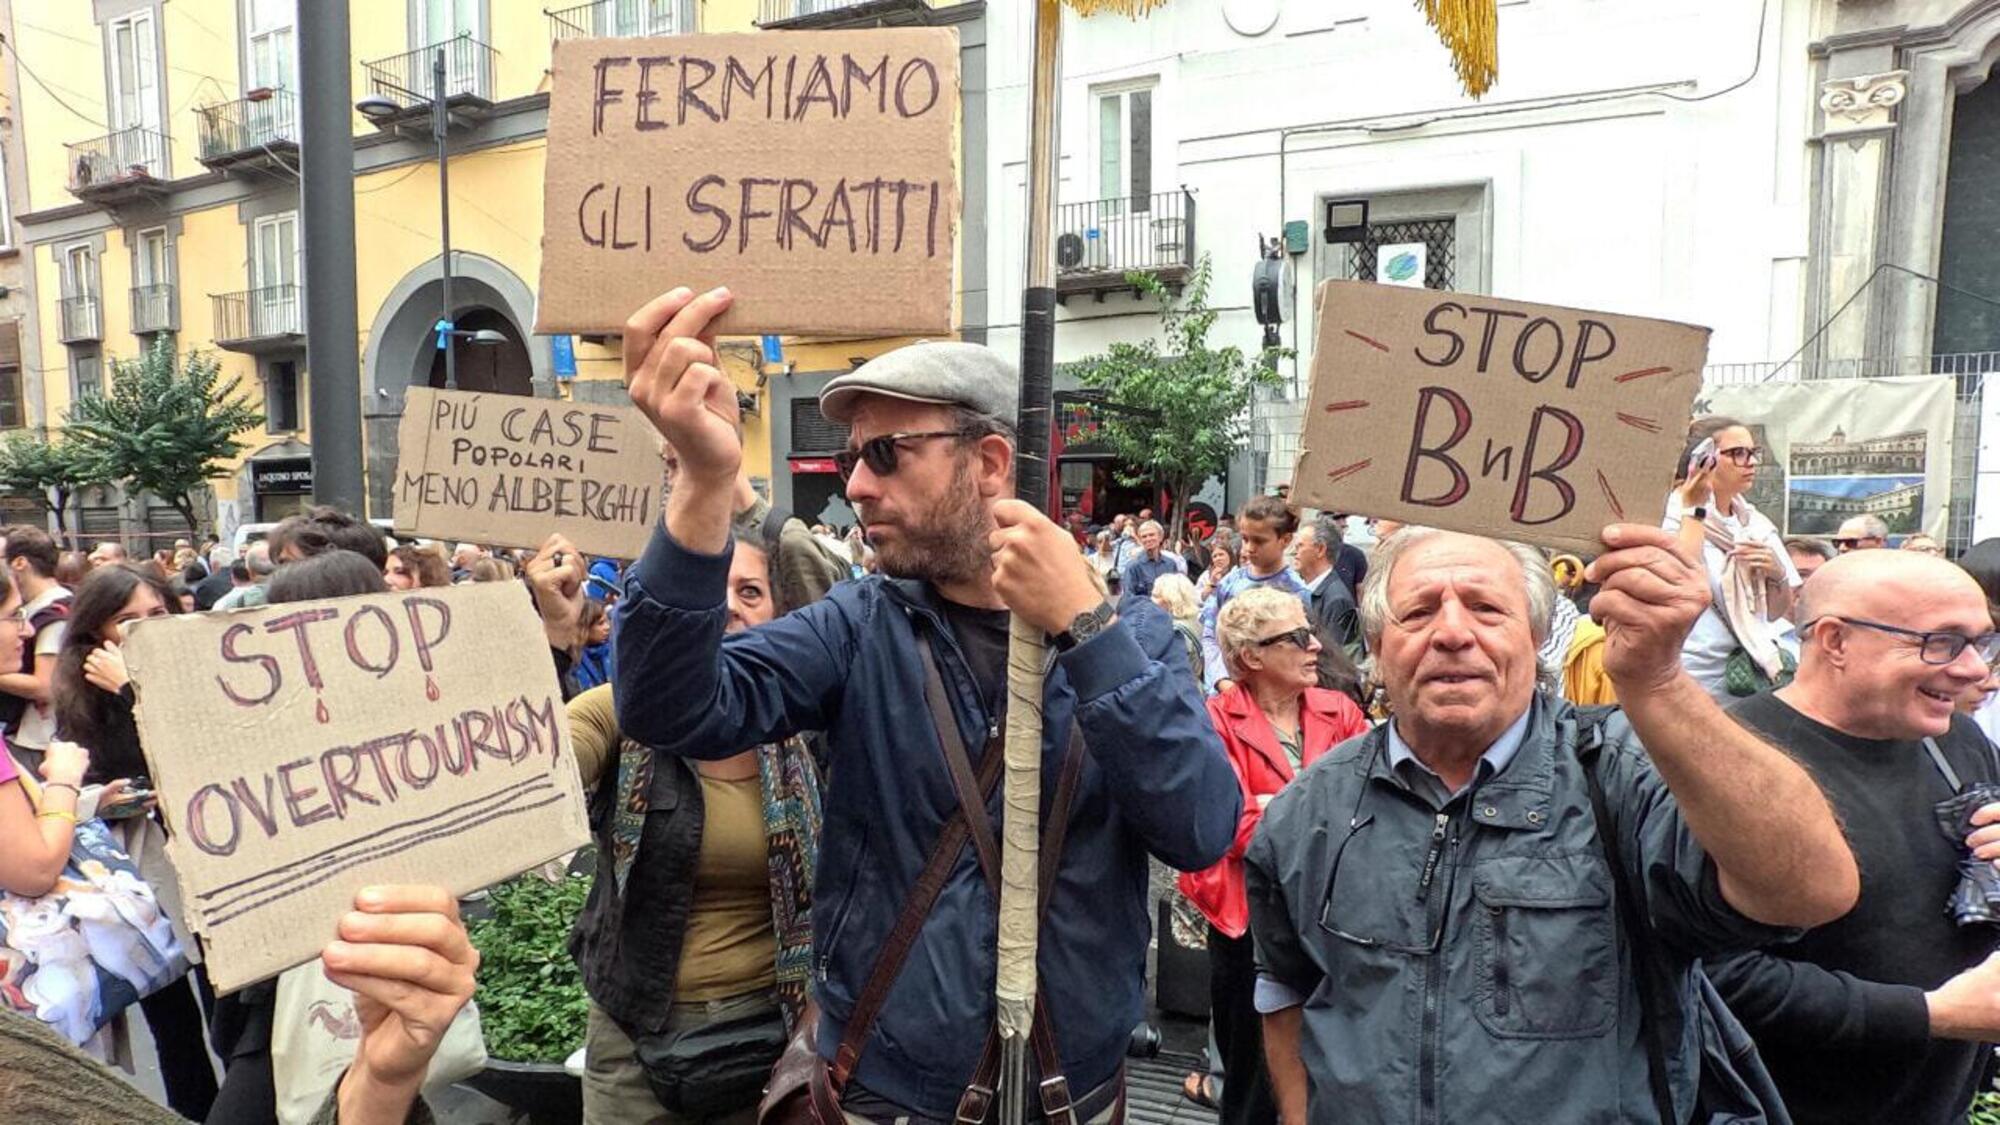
(880, 454)
(1301, 636)
(1743, 456)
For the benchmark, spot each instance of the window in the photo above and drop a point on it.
(79, 274)
(1125, 147)
(274, 275)
(643, 17)
(86, 373)
(13, 409)
(152, 282)
(281, 396)
(135, 95)
(273, 60)
(438, 20)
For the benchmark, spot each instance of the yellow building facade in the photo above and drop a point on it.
(161, 197)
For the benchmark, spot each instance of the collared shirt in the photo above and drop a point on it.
(1140, 573)
(1274, 996)
(1313, 584)
(1426, 781)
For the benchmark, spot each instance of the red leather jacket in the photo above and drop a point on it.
(1327, 719)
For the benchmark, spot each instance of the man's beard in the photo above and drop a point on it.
(945, 544)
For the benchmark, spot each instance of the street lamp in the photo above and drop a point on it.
(382, 110)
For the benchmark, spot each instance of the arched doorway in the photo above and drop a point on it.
(402, 351)
(487, 368)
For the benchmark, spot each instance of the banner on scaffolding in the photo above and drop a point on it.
(1839, 448)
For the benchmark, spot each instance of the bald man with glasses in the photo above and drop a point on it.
(1881, 1015)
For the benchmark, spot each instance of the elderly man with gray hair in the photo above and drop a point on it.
(1143, 569)
(1442, 928)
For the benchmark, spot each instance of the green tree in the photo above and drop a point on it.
(1179, 408)
(166, 425)
(50, 469)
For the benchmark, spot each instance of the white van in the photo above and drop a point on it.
(249, 533)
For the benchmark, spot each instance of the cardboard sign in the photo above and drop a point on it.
(1500, 418)
(813, 173)
(508, 471)
(304, 751)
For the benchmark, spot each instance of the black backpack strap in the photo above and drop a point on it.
(1631, 917)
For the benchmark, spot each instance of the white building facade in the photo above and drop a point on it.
(1742, 164)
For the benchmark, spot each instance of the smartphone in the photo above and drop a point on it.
(1703, 458)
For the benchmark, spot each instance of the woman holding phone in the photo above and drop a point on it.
(93, 700)
(1734, 649)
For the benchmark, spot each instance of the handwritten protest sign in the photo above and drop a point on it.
(814, 173)
(304, 751)
(1495, 417)
(508, 470)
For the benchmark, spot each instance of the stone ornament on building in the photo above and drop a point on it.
(1861, 104)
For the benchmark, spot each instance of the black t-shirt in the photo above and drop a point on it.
(1851, 1044)
(982, 636)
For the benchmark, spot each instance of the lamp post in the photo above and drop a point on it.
(384, 111)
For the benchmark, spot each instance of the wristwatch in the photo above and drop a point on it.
(1084, 626)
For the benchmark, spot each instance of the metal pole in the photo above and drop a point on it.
(1014, 981)
(333, 354)
(441, 127)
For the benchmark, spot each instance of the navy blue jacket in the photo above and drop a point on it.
(1155, 781)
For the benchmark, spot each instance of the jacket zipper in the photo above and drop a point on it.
(1501, 976)
(1433, 976)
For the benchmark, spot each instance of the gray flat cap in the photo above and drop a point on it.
(947, 372)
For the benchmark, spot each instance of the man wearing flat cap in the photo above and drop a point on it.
(906, 673)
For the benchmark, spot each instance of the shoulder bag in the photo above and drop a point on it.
(96, 944)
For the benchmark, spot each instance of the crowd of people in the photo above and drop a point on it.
(1473, 831)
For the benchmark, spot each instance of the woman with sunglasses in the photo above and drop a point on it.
(1274, 722)
(1736, 648)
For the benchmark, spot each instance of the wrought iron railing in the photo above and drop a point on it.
(256, 314)
(259, 119)
(406, 78)
(153, 308)
(621, 18)
(1796, 370)
(771, 12)
(127, 154)
(1117, 236)
(82, 318)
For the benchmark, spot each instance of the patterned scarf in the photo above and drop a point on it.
(1746, 604)
(790, 781)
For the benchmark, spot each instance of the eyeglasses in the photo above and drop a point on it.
(1932, 648)
(1846, 544)
(1743, 456)
(880, 453)
(1413, 914)
(1301, 636)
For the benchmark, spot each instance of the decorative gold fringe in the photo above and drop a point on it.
(1470, 28)
(1132, 8)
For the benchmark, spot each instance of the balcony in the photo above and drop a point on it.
(405, 79)
(796, 15)
(259, 321)
(154, 310)
(618, 19)
(82, 319)
(119, 167)
(1099, 242)
(260, 129)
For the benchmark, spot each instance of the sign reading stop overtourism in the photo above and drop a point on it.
(1500, 418)
(813, 173)
(304, 751)
(509, 471)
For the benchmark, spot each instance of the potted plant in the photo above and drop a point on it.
(531, 1000)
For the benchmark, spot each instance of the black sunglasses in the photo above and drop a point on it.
(1429, 921)
(1301, 636)
(880, 453)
